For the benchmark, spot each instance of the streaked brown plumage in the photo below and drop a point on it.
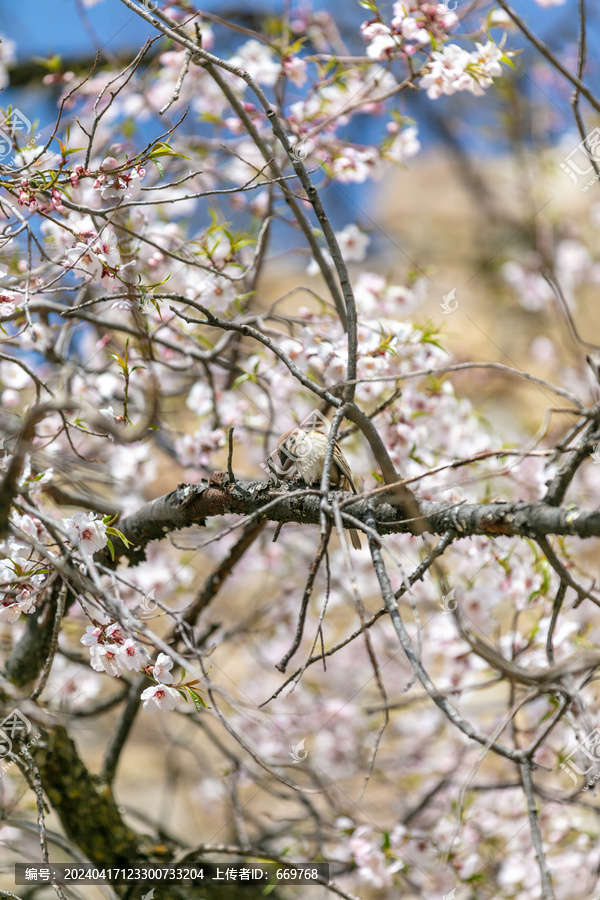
(304, 452)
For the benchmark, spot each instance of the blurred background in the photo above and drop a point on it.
(480, 210)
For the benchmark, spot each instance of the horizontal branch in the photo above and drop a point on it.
(192, 504)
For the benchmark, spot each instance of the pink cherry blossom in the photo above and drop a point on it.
(90, 638)
(160, 697)
(86, 532)
(162, 669)
(107, 658)
(115, 634)
(257, 59)
(133, 655)
(353, 243)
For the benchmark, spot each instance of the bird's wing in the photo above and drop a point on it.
(342, 464)
(284, 451)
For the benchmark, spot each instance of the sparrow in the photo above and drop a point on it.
(305, 451)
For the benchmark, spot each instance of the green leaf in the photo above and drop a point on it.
(117, 533)
(162, 149)
(198, 701)
(52, 64)
(109, 544)
(146, 288)
(212, 118)
(114, 355)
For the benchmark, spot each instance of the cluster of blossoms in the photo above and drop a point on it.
(91, 252)
(454, 69)
(198, 449)
(574, 267)
(429, 425)
(28, 197)
(122, 186)
(18, 598)
(76, 175)
(415, 24)
(114, 653)
(111, 651)
(96, 255)
(23, 576)
(373, 866)
(353, 165)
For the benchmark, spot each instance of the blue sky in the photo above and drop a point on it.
(43, 27)
(46, 27)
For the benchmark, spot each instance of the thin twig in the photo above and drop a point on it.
(312, 574)
(230, 454)
(536, 836)
(547, 53)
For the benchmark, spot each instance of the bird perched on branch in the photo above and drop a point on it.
(303, 452)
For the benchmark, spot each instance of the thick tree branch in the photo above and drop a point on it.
(192, 504)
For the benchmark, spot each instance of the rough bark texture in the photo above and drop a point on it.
(192, 504)
(30, 653)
